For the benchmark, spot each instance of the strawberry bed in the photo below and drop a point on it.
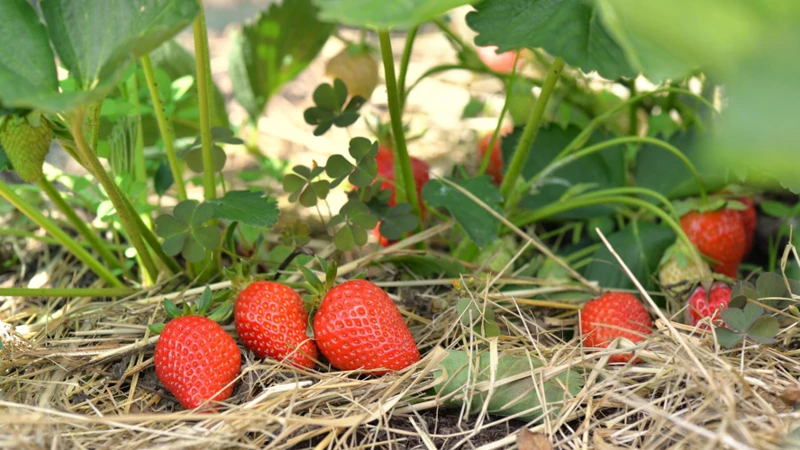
(569, 226)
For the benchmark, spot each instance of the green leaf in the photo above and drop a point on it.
(249, 207)
(428, 265)
(513, 392)
(194, 159)
(735, 319)
(209, 237)
(95, 39)
(395, 220)
(273, 49)
(193, 250)
(338, 166)
(382, 14)
(205, 301)
(567, 28)
(764, 330)
(293, 183)
(173, 245)
(770, 284)
(478, 317)
(604, 169)
(202, 214)
(640, 245)
(726, 337)
(27, 65)
(171, 309)
(163, 178)
(480, 224)
(327, 98)
(344, 239)
(167, 226)
(744, 288)
(750, 313)
(663, 172)
(776, 209)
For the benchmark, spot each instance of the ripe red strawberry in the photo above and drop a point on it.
(196, 360)
(701, 305)
(421, 171)
(719, 235)
(499, 62)
(358, 326)
(495, 167)
(271, 320)
(611, 316)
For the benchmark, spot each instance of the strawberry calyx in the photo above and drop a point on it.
(221, 312)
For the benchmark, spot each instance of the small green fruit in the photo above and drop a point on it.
(26, 144)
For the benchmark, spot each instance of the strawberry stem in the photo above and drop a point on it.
(401, 79)
(528, 137)
(487, 156)
(403, 173)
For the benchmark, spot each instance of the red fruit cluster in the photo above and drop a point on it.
(271, 320)
(495, 167)
(614, 315)
(420, 169)
(701, 305)
(196, 360)
(358, 326)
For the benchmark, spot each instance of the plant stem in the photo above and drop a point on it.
(401, 79)
(204, 101)
(164, 127)
(139, 165)
(633, 116)
(489, 150)
(531, 130)
(66, 292)
(63, 238)
(402, 161)
(82, 228)
(126, 216)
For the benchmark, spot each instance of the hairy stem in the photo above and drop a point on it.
(401, 79)
(204, 101)
(127, 217)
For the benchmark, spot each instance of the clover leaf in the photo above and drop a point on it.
(302, 186)
(330, 107)
(184, 231)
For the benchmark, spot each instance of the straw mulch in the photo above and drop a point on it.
(78, 373)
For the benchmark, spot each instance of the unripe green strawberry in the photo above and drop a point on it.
(26, 144)
(678, 268)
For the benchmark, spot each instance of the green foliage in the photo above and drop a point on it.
(640, 245)
(330, 107)
(360, 174)
(600, 170)
(745, 318)
(481, 226)
(301, 185)
(356, 220)
(480, 318)
(383, 14)
(184, 232)
(248, 207)
(428, 265)
(514, 391)
(95, 41)
(570, 29)
(272, 49)
(194, 153)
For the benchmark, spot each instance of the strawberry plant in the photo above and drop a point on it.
(404, 213)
